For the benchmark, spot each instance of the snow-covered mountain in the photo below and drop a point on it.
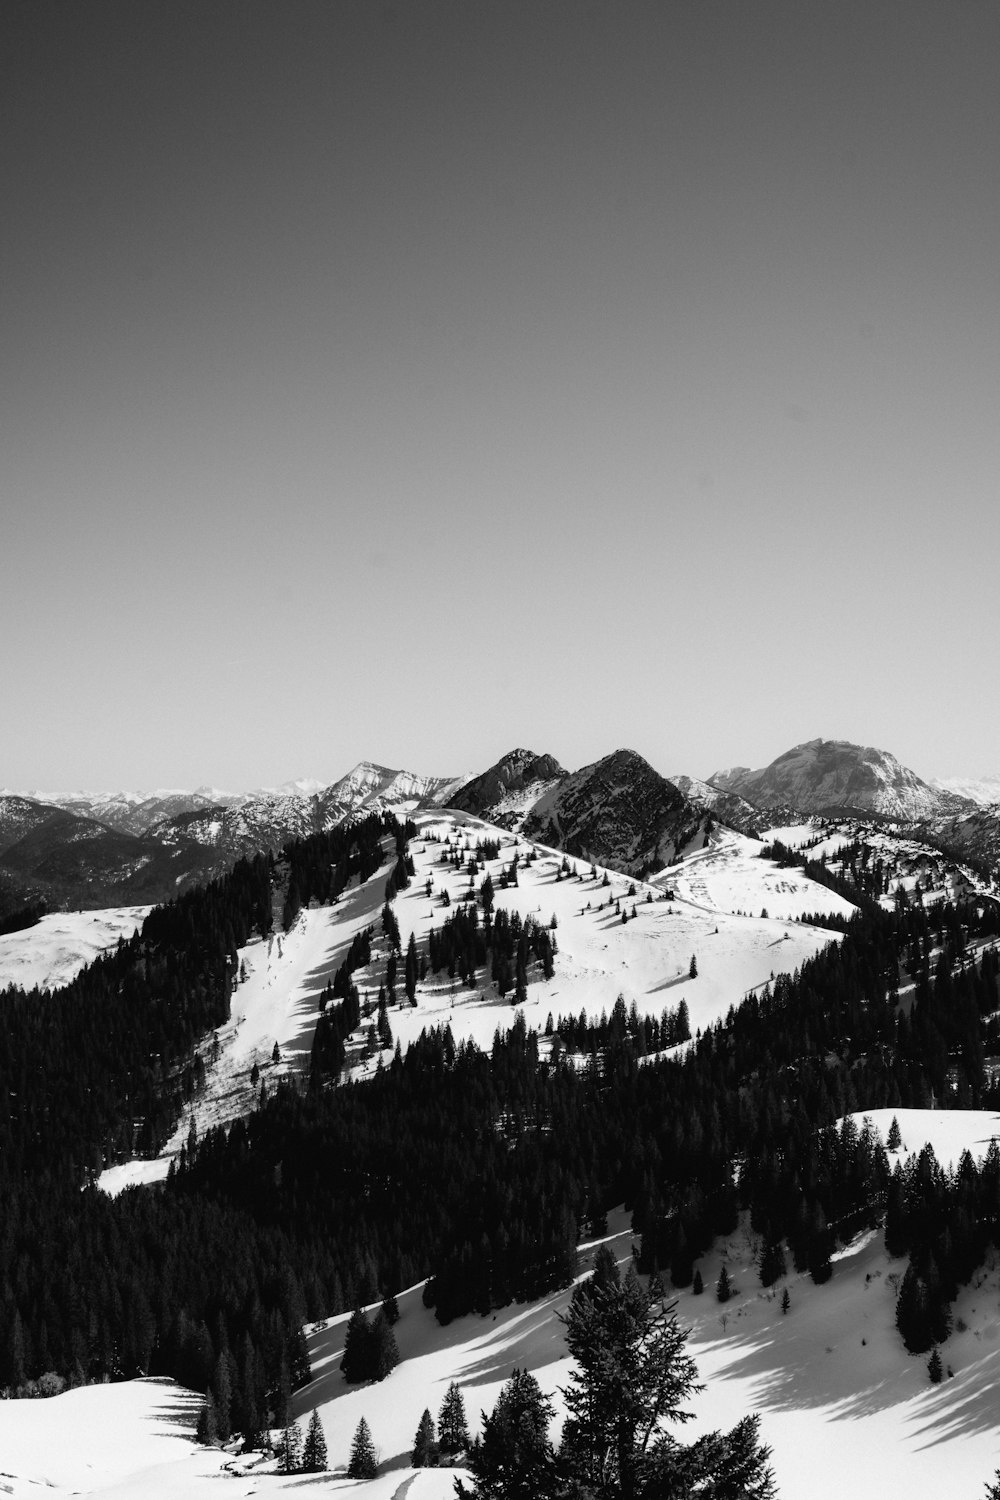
(728, 806)
(507, 791)
(984, 790)
(835, 775)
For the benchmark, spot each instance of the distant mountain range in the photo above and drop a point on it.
(95, 850)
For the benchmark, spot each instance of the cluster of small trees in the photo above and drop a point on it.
(644, 1034)
(298, 1455)
(451, 1436)
(370, 1348)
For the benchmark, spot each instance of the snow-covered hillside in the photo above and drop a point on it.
(845, 1409)
(646, 959)
(54, 951)
(985, 790)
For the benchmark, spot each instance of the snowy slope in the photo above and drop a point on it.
(599, 957)
(985, 790)
(54, 951)
(845, 1409)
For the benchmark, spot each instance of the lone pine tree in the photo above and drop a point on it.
(425, 1447)
(314, 1447)
(452, 1430)
(363, 1463)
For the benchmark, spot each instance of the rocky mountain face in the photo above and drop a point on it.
(506, 792)
(618, 812)
(729, 807)
(834, 776)
(150, 848)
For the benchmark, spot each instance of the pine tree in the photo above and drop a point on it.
(934, 1367)
(384, 1351)
(697, 1285)
(452, 1429)
(425, 1448)
(363, 1463)
(513, 1458)
(207, 1430)
(356, 1362)
(290, 1450)
(723, 1287)
(786, 1301)
(390, 1309)
(314, 1447)
(693, 968)
(895, 1137)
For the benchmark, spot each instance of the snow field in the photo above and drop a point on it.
(599, 957)
(54, 951)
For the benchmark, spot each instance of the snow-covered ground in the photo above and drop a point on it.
(845, 1409)
(54, 951)
(277, 1002)
(730, 876)
(646, 960)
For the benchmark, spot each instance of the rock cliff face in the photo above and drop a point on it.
(617, 812)
(509, 789)
(835, 775)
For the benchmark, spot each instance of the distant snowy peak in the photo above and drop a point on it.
(824, 775)
(369, 784)
(728, 806)
(983, 790)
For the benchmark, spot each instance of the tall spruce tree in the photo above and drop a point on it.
(452, 1429)
(425, 1447)
(362, 1464)
(314, 1447)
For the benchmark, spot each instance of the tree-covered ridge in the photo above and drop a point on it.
(100, 1069)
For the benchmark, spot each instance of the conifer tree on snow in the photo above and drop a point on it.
(513, 1459)
(723, 1287)
(363, 1463)
(425, 1447)
(895, 1137)
(207, 1431)
(452, 1429)
(632, 1375)
(314, 1447)
(384, 1349)
(290, 1450)
(355, 1364)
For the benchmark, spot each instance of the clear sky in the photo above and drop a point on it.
(412, 381)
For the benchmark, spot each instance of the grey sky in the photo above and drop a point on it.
(416, 381)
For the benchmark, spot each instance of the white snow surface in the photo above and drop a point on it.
(730, 876)
(845, 1409)
(54, 951)
(983, 789)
